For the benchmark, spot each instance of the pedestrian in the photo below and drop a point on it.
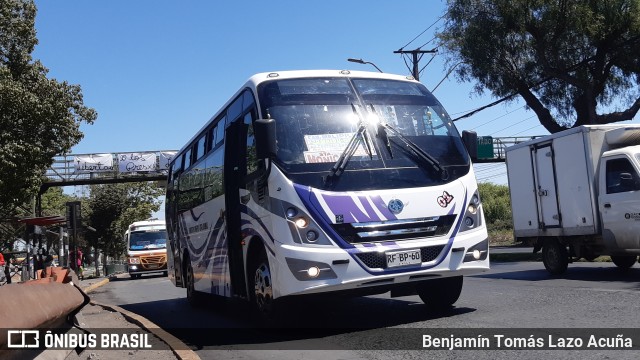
(79, 264)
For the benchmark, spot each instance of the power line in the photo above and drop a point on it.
(514, 124)
(499, 117)
(531, 128)
(424, 31)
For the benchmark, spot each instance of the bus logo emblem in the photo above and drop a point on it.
(395, 206)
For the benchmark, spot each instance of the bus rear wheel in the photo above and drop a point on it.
(440, 294)
(624, 262)
(193, 297)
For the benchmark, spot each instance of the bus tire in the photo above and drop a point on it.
(440, 294)
(261, 285)
(193, 296)
(624, 262)
(555, 257)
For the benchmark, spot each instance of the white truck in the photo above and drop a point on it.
(576, 194)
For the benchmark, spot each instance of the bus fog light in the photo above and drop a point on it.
(313, 271)
(301, 222)
(468, 222)
(476, 254)
(312, 236)
(133, 267)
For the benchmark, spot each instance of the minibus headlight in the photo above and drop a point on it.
(134, 260)
(291, 213)
(302, 222)
(304, 230)
(473, 214)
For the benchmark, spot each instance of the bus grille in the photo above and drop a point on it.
(395, 230)
(377, 260)
(153, 262)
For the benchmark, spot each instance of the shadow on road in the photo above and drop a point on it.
(575, 272)
(234, 323)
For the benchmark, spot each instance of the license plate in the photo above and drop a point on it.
(152, 266)
(402, 258)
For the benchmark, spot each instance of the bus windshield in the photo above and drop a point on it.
(317, 118)
(147, 239)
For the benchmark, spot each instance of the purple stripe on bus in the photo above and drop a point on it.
(346, 205)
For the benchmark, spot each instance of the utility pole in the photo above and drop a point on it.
(415, 59)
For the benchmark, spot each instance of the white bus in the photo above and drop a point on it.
(146, 247)
(316, 182)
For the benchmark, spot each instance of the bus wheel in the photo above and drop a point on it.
(624, 262)
(555, 257)
(262, 286)
(440, 294)
(193, 297)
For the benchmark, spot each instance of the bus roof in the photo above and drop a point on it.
(146, 223)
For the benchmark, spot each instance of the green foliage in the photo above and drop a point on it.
(39, 117)
(112, 207)
(496, 205)
(567, 59)
(54, 202)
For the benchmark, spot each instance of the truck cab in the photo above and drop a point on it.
(619, 199)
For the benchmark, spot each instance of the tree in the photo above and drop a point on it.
(113, 207)
(568, 59)
(496, 203)
(39, 117)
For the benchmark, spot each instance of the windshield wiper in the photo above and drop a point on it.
(423, 155)
(338, 168)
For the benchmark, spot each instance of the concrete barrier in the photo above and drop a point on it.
(42, 303)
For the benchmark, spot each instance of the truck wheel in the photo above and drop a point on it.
(193, 297)
(624, 262)
(555, 257)
(440, 294)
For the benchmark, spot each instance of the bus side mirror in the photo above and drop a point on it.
(470, 140)
(265, 134)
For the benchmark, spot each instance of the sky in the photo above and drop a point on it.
(157, 70)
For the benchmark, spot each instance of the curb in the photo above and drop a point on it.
(92, 287)
(174, 343)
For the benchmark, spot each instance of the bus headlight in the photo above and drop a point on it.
(312, 236)
(304, 230)
(302, 222)
(134, 260)
(473, 214)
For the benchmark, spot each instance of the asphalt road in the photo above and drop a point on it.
(511, 295)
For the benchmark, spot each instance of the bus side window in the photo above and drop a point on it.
(252, 159)
(200, 149)
(212, 139)
(220, 130)
(187, 159)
